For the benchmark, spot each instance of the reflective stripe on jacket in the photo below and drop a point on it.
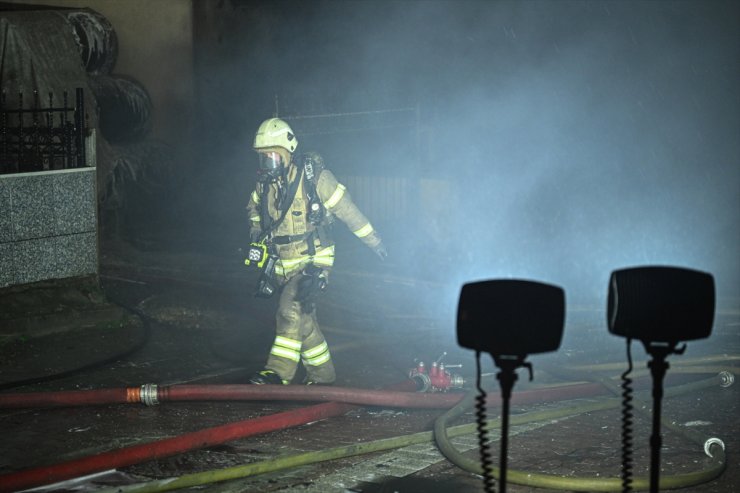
(338, 202)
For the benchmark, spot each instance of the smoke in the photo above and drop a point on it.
(583, 136)
(575, 137)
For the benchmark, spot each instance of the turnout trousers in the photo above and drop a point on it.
(299, 339)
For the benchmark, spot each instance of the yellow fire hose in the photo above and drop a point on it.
(442, 434)
(569, 483)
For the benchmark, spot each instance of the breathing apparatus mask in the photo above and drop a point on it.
(275, 142)
(271, 166)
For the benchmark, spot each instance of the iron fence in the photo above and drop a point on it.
(40, 138)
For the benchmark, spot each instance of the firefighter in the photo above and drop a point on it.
(290, 212)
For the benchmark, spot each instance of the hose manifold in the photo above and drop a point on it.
(148, 394)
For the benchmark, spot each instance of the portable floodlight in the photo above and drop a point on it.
(508, 319)
(660, 306)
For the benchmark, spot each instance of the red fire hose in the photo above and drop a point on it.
(170, 446)
(135, 454)
(152, 394)
(213, 436)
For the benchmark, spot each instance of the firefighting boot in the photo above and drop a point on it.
(266, 377)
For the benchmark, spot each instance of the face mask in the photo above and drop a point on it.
(271, 165)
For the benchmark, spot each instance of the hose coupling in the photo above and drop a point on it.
(423, 382)
(149, 394)
(726, 378)
(712, 441)
(456, 381)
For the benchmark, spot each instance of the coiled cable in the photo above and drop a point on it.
(627, 422)
(480, 419)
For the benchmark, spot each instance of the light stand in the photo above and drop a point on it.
(660, 306)
(658, 367)
(508, 319)
(507, 377)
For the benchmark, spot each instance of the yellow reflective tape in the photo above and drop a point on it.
(336, 196)
(318, 360)
(288, 343)
(325, 252)
(279, 270)
(364, 231)
(256, 197)
(289, 262)
(283, 267)
(323, 257)
(315, 351)
(324, 262)
(286, 353)
(317, 355)
(255, 219)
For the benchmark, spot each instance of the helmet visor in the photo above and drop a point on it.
(270, 161)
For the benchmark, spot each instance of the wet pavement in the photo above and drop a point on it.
(174, 320)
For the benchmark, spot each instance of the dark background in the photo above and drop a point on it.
(575, 136)
(550, 140)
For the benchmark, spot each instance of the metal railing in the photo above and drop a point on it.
(387, 196)
(355, 121)
(40, 138)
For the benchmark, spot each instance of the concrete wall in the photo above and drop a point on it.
(48, 227)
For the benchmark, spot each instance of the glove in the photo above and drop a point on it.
(380, 251)
(312, 282)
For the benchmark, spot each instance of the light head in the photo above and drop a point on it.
(510, 317)
(661, 304)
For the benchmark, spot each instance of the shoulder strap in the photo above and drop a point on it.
(292, 190)
(313, 164)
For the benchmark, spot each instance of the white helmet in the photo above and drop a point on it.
(275, 133)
